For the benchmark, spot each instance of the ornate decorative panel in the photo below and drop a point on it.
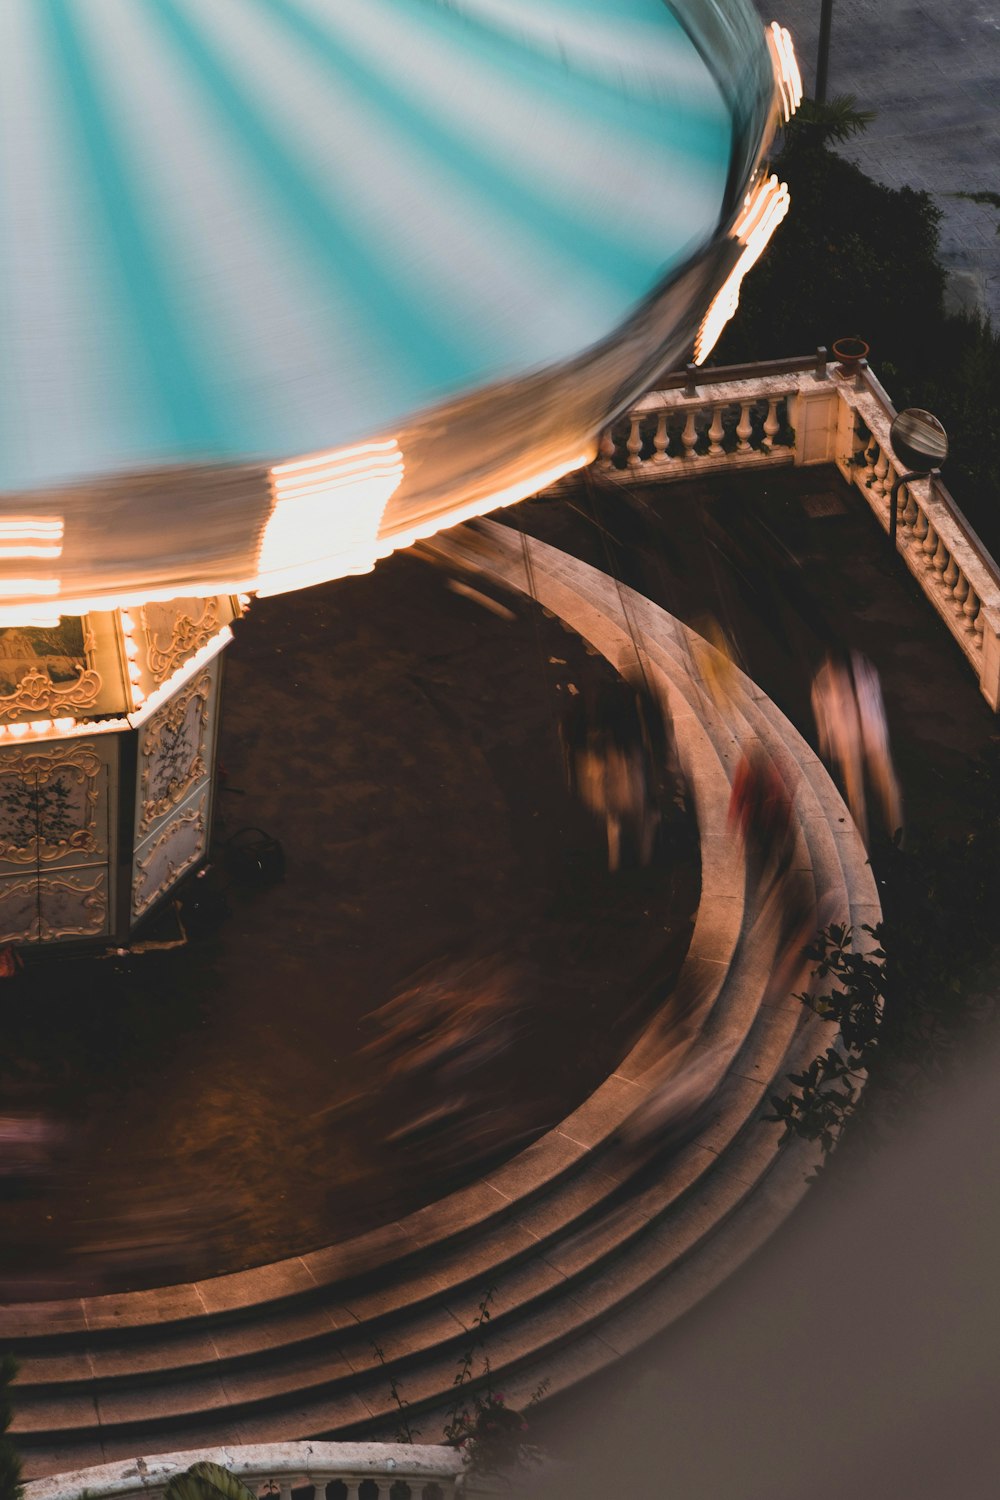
(19, 908)
(174, 751)
(167, 855)
(73, 903)
(48, 671)
(53, 803)
(176, 630)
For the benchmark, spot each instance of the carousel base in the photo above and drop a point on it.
(107, 761)
(588, 1253)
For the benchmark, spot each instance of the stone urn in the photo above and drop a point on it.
(850, 352)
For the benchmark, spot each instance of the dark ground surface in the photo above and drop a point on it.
(218, 1110)
(401, 741)
(791, 564)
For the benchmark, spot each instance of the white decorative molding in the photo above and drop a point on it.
(173, 750)
(173, 634)
(426, 1468)
(50, 798)
(170, 852)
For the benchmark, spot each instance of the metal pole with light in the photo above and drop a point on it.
(823, 50)
(921, 444)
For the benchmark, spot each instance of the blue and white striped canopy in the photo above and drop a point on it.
(239, 231)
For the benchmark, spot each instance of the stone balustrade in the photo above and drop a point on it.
(804, 411)
(946, 557)
(278, 1471)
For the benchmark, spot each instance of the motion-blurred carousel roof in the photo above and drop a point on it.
(286, 283)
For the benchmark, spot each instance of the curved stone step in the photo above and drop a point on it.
(288, 1352)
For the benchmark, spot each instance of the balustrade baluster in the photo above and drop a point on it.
(939, 562)
(881, 482)
(901, 503)
(634, 443)
(661, 441)
(949, 577)
(689, 437)
(929, 545)
(744, 429)
(920, 528)
(910, 510)
(970, 609)
(716, 433)
(606, 450)
(772, 425)
(960, 593)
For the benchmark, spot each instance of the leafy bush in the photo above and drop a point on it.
(908, 1009)
(852, 257)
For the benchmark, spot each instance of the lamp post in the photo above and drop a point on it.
(921, 444)
(823, 50)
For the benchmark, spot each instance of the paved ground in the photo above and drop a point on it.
(790, 563)
(932, 72)
(401, 740)
(218, 1105)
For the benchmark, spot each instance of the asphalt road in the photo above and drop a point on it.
(931, 71)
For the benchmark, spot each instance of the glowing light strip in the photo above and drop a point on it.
(125, 599)
(323, 460)
(326, 516)
(42, 528)
(28, 549)
(57, 729)
(16, 586)
(177, 679)
(786, 69)
(764, 210)
(31, 537)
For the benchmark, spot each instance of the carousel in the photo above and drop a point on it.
(286, 285)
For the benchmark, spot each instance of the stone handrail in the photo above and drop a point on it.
(331, 1471)
(805, 411)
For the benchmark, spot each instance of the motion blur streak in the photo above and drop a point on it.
(326, 515)
(765, 208)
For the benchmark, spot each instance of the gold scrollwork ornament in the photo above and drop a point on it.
(37, 694)
(166, 725)
(186, 637)
(33, 768)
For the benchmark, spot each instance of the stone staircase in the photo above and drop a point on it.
(588, 1251)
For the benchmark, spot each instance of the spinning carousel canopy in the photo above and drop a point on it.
(285, 283)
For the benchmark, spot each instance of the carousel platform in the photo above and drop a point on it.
(587, 1256)
(586, 1250)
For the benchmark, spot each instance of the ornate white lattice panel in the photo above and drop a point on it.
(19, 914)
(175, 751)
(73, 903)
(57, 805)
(174, 847)
(54, 803)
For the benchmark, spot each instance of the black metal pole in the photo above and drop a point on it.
(823, 50)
